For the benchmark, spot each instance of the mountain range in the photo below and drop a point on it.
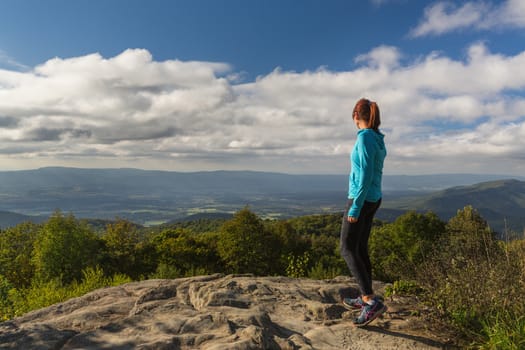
(501, 203)
(152, 197)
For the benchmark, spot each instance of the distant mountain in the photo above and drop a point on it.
(8, 219)
(501, 203)
(399, 184)
(153, 197)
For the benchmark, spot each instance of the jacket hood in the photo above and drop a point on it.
(377, 134)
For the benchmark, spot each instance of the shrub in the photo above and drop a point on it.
(166, 271)
(44, 293)
(397, 249)
(504, 328)
(40, 294)
(320, 272)
(474, 280)
(504, 331)
(6, 304)
(94, 278)
(403, 287)
(297, 265)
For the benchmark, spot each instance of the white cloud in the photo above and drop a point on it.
(382, 56)
(445, 16)
(439, 114)
(513, 13)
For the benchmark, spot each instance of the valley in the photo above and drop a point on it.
(155, 197)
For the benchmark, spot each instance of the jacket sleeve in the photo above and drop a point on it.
(366, 153)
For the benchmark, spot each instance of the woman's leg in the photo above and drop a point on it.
(354, 245)
(368, 218)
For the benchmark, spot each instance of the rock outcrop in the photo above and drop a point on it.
(218, 312)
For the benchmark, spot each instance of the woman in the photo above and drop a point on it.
(364, 198)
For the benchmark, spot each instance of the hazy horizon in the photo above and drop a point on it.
(247, 170)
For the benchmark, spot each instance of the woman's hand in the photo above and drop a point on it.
(352, 220)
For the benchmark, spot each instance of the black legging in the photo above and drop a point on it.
(354, 244)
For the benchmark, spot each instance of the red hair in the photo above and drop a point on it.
(369, 112)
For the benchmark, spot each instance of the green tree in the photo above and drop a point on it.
(185, 251)
(326, 256)
(146, 258)
(398, 248)
(122, 240)
(325, 224)
(63, 248)
(469, 236)
(16, 248)
(290, 247)
(316, 252)
(245, 245)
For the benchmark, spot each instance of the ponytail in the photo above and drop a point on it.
(375, 119)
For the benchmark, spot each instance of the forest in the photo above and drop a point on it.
(461, 269)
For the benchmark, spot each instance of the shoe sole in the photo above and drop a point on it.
(351, 307)
(376, 315)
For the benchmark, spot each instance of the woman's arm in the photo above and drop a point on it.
(366, 154)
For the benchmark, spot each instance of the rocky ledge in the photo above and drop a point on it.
(220, 312)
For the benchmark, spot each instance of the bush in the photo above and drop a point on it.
(505, 327)
(403, 287)
(504, 331)
(6, 304)
(320, 272)
(44, 293)
(475, 281)
(94, 278)
(297, 265)
(166, 271)
(397, 249)
(40, 294)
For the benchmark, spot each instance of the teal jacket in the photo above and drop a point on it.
(367, 160)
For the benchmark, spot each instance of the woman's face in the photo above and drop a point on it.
(360, 124)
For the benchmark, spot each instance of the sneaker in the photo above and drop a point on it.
(370, 312)
(354, 303)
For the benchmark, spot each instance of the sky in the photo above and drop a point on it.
(262, 85)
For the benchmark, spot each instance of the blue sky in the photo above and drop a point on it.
(261, 85)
